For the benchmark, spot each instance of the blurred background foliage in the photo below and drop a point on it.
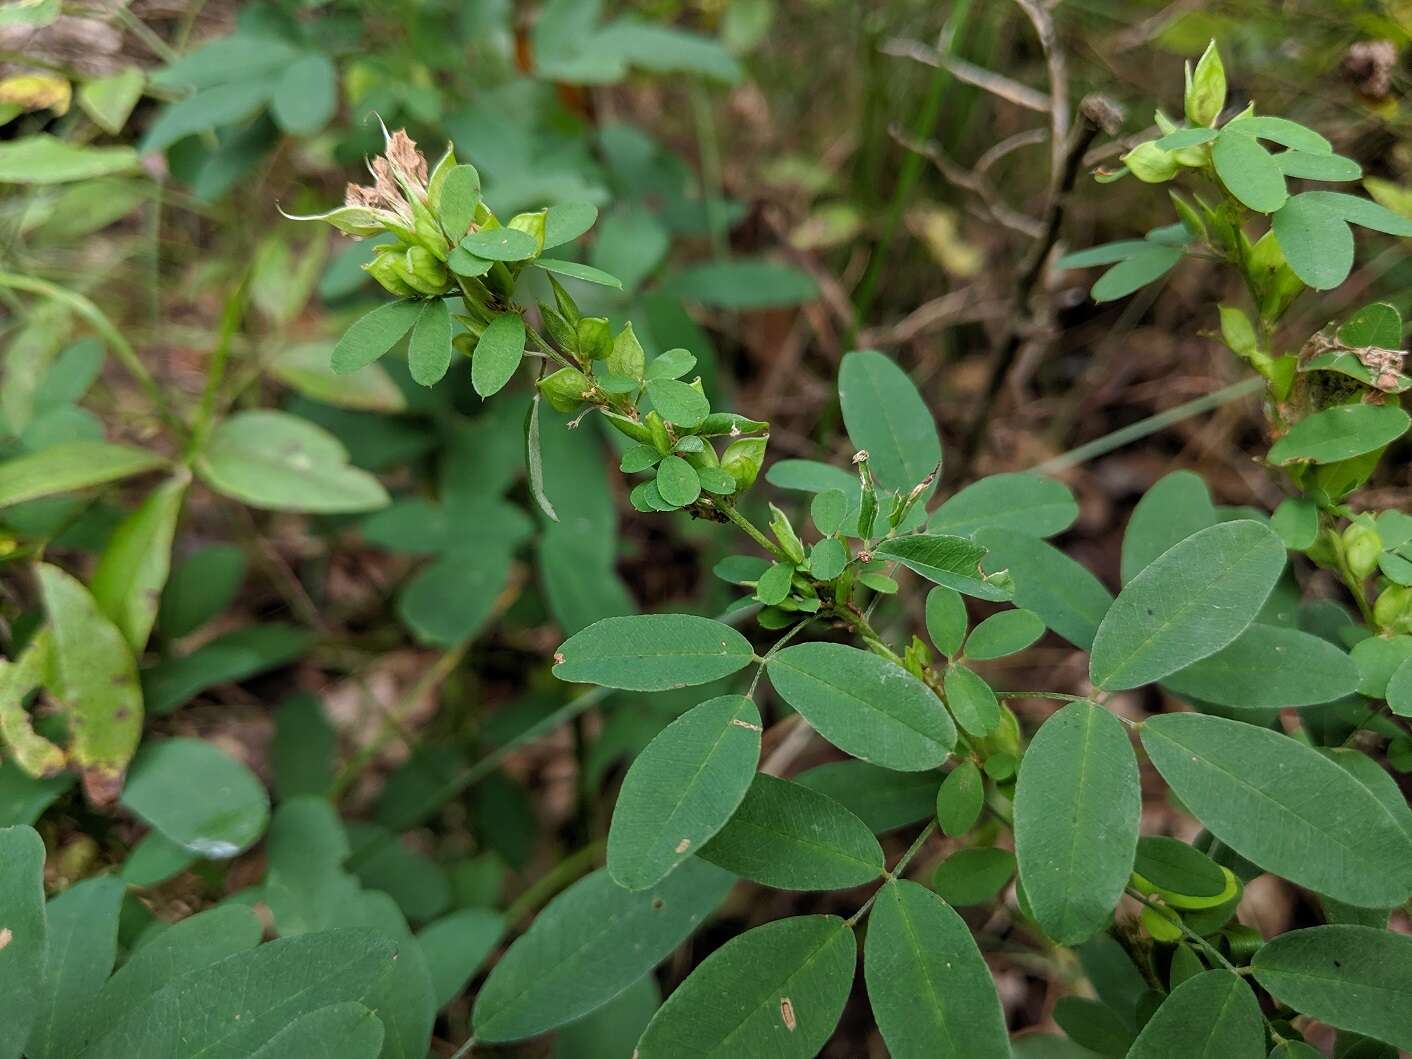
(778, 181)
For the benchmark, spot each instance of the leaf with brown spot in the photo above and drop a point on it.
(94, 676)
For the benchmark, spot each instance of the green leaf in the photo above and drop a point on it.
(1104, 253)
(449, 600)
(1251, 788)
(574, 270)
(500, 244)
(1069, 599)
(566, 221)
(1029, 503)
(109, 100)
(682, 789)
(305, 369)
(743, 284)
(81, 943)
(455, 946)
(304, 748)
(248, 999)
(1377, 659)
(959, 801)
(1248, 171)
(373, 334)
(652, 652)
(456, 200)
(45, 159)
(1309, 166)
(881, 798)
(95, 677)
(1399, 689)
(613, 1029)
(1213, 1015)
(189, 945)
(1282, 131)
(971, 701)
(131, 572)
(280, 462)
(1269, 666)
(198, 796)
(1193, 600)
(1135, 272)
(1376, 324)
(677, 481)
(973, 876)
(930, 990)
(951, 561)
(498, 353)
(1315, 241)
(1173, 865)
(774, 584)
(1177, 506)
(776, 991)
(200, 586)
(339, 1031)
(1357, 979)
(1093, 1026)
(429, 349)
(306, 95)
(228, 659)
(572, 959)
(1077, 810)
(1175, 141)
(679, 403)
(791, 837)
(71, 465)
(828, 509)
(828, 559)
(946, 619)
(534, 461)
(22, 969)
(865, 705)
(1004, 633)
(1296, 520)
(1341, 433)
(886, 416)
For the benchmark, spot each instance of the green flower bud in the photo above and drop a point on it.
(565, 389)
(1361, 547)
(1206, 88)
(423, 272)
(743, 459)
(627, 357)
(532, 224)
(1393, 608)
(1195, 226)
(868, 504)
(629, 427)
(465, 344)
(1151, 164)
(387, 269)
(1237, 331)
(568, 308)
(783, 530)
(595, 338)
(657, 431)
(559, 329)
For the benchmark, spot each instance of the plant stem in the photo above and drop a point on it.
(1191, 935)
(215, 372)
(729, 510)
(895, 872)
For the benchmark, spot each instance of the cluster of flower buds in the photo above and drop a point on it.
(403, 201)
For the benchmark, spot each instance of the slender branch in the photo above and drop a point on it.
(895, 872)
(751, 530)
(1096, 113)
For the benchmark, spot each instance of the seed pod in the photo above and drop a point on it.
(1206, 88)
(743, 459)
(565, 389)
(1361, 546)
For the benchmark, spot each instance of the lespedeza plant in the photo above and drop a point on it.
(1209, 610)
